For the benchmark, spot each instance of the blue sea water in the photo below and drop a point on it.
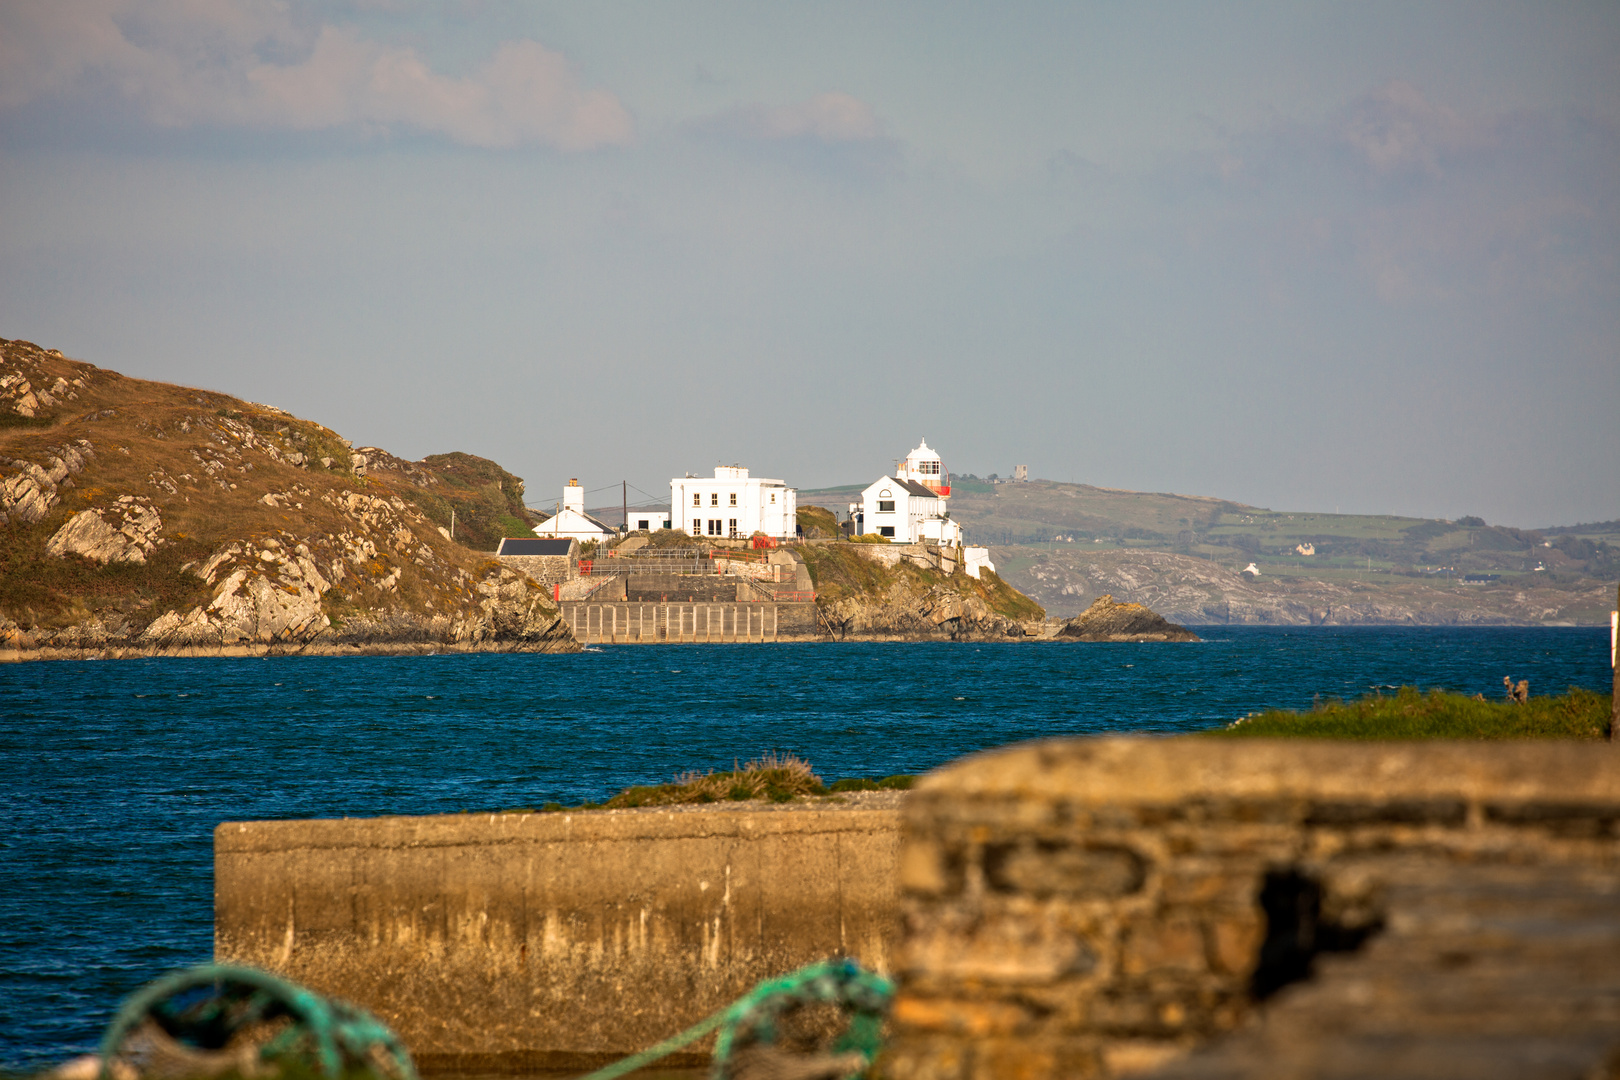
(114, 774)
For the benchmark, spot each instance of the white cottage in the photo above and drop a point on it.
(572, 522)
(732, 503)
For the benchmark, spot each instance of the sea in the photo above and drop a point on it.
(113, 774)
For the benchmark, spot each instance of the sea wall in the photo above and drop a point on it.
(635, 622)
(563, 940)
(1101, 907)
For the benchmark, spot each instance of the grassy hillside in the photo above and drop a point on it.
(216, 470)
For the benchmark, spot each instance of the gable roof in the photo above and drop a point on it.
(911, 487)
(516, 545)
(917, 489)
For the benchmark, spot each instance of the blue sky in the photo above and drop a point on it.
(1310, 257)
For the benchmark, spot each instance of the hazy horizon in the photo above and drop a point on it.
(1303, 256)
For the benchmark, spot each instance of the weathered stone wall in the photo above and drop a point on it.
(1099, 907)
(516, 941)
(546, 569)
(924, 555)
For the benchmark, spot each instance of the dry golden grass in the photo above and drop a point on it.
(219, 455)
(777, 777)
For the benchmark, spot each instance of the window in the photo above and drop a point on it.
(733, 498)
(642, 524)
(885, 506)
(928, 468)
(733, 531)
(714, 499)
(714, 526)
(886, 530)
(697, 500)
(773, 496)
(697, 527)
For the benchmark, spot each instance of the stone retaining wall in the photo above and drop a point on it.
(522, 941)
(1100, 907)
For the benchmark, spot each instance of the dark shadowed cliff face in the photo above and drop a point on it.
(1106, 620)
(145, 517)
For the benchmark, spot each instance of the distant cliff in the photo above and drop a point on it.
(1197, 592)
(143, 517)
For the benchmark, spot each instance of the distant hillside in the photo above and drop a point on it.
(141, 515)
(1066, 544)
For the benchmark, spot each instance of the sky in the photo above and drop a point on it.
(1359, 257)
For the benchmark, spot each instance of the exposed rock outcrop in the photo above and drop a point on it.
(1108, 620)
(939, 613)
(125, 532)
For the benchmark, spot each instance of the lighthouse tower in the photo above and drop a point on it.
(924, 467)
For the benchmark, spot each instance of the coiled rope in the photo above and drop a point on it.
(213, 1020)
(216, 1019)
(749, 1028)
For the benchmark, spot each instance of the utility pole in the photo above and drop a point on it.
(624, 500)
(1614, 705)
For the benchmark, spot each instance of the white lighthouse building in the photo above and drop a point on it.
(909, 506)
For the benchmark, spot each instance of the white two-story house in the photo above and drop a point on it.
(733, 504)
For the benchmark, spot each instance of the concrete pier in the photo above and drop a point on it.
(522, 941)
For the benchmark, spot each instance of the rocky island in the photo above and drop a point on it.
(1108, 620)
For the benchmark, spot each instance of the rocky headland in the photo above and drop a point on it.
(144, 518)
(861, 597)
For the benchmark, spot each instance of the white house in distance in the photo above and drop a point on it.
(572, 522)
(733, 503)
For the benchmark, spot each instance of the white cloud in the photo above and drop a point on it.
(1396, 129)
(829, 118)
(237, 63)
